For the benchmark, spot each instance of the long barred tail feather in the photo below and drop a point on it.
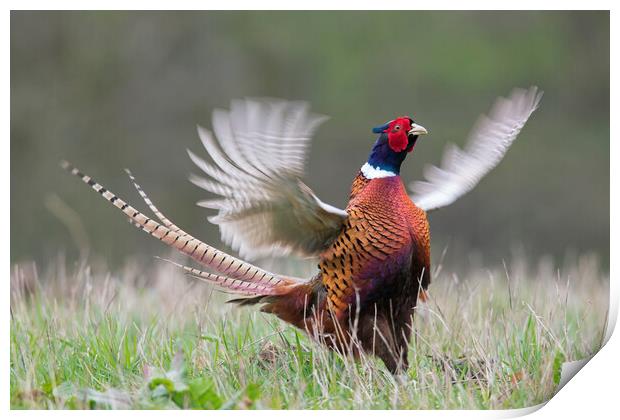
(166, 222)
(238, 286)
(232, 269)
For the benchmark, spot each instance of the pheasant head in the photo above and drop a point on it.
(396, 139)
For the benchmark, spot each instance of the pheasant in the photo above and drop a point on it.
(373, 256)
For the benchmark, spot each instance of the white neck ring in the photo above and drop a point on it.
(370, 172)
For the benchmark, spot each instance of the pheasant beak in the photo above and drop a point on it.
(417, 130)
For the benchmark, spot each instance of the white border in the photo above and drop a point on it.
(593, 393)
(314, 5)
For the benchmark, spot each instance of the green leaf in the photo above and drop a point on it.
(203, 395)
(163, 381)
(253, 391)
(172, 384)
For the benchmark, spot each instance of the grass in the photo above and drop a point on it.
(148, 337)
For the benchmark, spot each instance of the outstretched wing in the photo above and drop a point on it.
(461, 170)
(257, 162)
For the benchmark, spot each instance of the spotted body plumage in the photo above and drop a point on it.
(384, 233)
(373, 256)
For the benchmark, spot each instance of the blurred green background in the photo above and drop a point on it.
(109, 90)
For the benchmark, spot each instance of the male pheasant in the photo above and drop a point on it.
(373, 256)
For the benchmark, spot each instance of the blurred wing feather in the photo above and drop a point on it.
(257, 161)
(488, 142)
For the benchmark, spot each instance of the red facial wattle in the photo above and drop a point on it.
(398, 140)
(397, 132)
